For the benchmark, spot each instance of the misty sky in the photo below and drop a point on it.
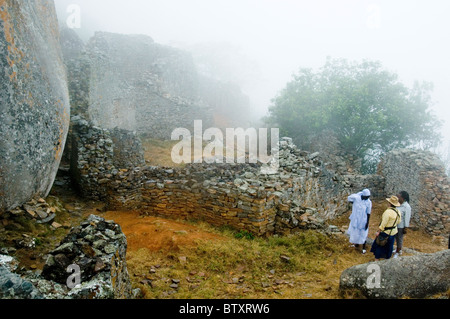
(410, 38)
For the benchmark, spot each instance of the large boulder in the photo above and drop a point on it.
(34, 100)
(415, 277)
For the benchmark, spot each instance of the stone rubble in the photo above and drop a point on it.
(37, 209)
(97, 246)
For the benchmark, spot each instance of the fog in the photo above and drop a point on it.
(269, 40)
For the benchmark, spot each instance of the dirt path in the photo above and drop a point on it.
(156, 234)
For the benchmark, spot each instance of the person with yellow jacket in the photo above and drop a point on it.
(383, 246)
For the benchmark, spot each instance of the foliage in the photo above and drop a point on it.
(244, 234)
(364, 106)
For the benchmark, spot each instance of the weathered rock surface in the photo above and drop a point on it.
(415, 277)
(13, 286)
(422, 174)
(98, 248)
(34, 100)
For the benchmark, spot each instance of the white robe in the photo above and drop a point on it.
(358, 219)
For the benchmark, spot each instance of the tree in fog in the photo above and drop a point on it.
(365, 107)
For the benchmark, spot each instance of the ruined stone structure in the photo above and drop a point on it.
(34, 100)
(422, 175)
(133, 83)
(136, 84)
(302, 194)
(98, 247)
(305, 192)
(128, 150)
(231, 108)
(121, 86)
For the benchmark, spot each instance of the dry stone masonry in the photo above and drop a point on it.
(423, 176)
(302, 194)
(124, 85)
(139, 85)
(96, 162)
(131, 82)
(99, 248)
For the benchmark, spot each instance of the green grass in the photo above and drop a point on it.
(244, 234)
(237, 267)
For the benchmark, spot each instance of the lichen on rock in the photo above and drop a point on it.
(34, 101)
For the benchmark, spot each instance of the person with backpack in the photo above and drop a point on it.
(383, 245)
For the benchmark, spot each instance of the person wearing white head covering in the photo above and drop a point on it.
(358, 229)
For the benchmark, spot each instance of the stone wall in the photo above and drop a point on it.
(96, 158)
(91, 158)
(335, 157)
(34, 100)
(99, 248)
(301, 194)
(139, 85)
(423, 176)
(219, 201)
(133, 83)
(304, 192)
(128, 150)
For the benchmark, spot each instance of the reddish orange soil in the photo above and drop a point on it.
(156, 233)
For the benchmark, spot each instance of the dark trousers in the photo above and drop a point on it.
(385, 251)
(399, 238)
